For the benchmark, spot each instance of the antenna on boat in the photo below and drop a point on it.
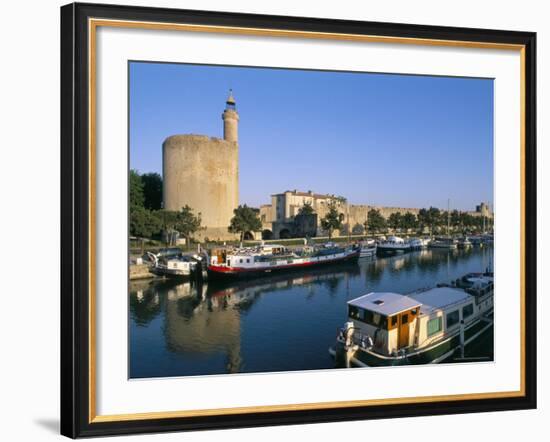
(448, 215)
(349, 227)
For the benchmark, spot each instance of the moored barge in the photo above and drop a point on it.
(270, 259)
(423, 327)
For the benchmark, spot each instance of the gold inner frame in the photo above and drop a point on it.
(93, 24)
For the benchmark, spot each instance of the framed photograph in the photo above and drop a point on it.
(274, 220)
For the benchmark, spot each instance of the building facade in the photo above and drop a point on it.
(282, 219)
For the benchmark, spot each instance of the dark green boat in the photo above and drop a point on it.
(426, 326)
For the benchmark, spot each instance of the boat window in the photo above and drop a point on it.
(467, 311)
(452, 318)
(404, 319)
(241, 260)
(356, 313)
(369, 317)
(247, 259)
(394, 320)
(434, 326)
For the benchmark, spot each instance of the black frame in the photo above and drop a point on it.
(75, 220)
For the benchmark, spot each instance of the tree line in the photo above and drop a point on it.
(149, 220)
(147, 217)
(433, 218)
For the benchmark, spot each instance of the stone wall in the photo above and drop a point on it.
(202, 172)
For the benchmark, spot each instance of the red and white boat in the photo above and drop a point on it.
(269, 259)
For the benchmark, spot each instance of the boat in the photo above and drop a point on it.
(173, 265)
(418, 243)
(367, 248)
(394, 244)
(464, 243)
(476, 241)
(444, 243)
(269, 259)
(422, 327)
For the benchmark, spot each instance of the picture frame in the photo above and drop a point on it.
(79, 251)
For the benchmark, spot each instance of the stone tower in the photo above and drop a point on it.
(203, 173)
(230, 119)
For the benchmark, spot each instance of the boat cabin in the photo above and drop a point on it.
(386, 318)
(395, 240)
(246, 256)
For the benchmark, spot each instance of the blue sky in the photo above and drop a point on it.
(394, 140)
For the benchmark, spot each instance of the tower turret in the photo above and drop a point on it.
(230, 119)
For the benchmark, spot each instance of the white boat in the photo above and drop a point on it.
(418, 243)
(178, 266)
(422, 327)
(394, 244)
(444, 243)
(269, 259)
(367, 248)
(464, 243)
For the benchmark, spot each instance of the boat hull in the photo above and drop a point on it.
(224, 272)
(433, 354)
(170, 273)
(386, 249)
(367, 252)
(444, 246)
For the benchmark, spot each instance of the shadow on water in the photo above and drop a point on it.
(274, 323)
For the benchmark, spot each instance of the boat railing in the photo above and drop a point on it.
(363, 340)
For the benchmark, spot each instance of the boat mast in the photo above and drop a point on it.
(448, 215)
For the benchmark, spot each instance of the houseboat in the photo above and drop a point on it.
(268, 259)
(394, 244)
(426, 326)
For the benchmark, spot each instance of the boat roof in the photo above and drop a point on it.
(480, 279)
(440, 297)
(385, 303)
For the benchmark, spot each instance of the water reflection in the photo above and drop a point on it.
(282, 322)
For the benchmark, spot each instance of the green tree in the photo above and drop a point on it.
(186, 223)
(152, 191)
(245, 219)
(434, 218)
(341, 199)
(375, 221)
(144, 223)
(306, 209)
(136, 190)
(455, 218)
(423, 218)
(332, 220)
(409, 221)
(395, 220)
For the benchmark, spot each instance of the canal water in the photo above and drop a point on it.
(278, 323)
